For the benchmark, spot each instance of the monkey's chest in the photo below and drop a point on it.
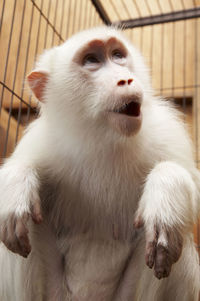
(101, 199)
(105, 208)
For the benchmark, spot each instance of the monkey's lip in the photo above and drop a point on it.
(132, 109)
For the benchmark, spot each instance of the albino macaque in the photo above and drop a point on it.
(101, 194)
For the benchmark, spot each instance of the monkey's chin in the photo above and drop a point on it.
(124, 124)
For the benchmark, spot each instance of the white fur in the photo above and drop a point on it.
(94, 181)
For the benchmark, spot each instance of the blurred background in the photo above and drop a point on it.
(167, 32)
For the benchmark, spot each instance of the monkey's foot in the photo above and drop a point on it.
(14, 230)
(163, 248)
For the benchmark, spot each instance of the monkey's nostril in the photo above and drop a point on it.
(130, 81)
(121, 82)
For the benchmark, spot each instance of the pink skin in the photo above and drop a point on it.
(158, 256)
(37, 81)
(114, 58)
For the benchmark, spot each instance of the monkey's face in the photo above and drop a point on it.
(95, 78)
(114, 93)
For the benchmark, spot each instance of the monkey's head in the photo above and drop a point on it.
(95, 79)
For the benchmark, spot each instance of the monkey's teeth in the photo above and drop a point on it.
(121, 108)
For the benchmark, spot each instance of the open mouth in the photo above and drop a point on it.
(130, 109)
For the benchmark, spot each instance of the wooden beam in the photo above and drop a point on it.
(159, 19)
(102, 13)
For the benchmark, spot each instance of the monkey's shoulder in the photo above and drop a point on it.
(165, 135)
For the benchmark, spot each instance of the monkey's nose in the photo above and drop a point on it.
(123, 82)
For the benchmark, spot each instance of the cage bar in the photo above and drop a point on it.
(159, 19)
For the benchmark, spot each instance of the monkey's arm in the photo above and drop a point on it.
(168, 209)
(19, 194)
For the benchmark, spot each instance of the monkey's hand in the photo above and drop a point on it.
(163, 248)
(167, 210)
(19, 201)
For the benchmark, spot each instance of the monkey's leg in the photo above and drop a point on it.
(129, 280)
(167, 209)
(19, 200)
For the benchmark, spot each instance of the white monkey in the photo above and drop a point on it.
(102, 191)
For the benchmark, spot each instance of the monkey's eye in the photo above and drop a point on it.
(90, 59)
(118, 54)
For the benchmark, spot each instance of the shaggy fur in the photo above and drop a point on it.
(108, 201)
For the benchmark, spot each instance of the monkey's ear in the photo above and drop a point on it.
(37, 81)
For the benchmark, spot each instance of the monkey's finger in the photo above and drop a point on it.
(8, 237)
(3, 233)
(14, 246)
(16, 239)
(151, 243)
(10, 226)
(163, 263)
(36, 212)
(8, 231)
(21, 232)
(150, 253)
(175, 244)
(2, 230)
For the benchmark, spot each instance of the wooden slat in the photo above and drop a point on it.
(12, 133)
(13, 125)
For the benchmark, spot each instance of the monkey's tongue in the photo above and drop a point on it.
(130, 109)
